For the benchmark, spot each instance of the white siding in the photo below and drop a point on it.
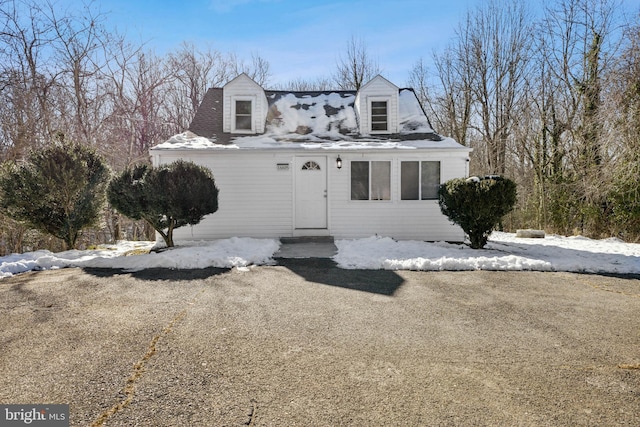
(242, 87)
(400, 219)
(257, 200)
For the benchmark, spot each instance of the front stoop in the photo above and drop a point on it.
(306, 239)
(306, 247)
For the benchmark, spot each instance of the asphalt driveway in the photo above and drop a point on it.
(308, 344)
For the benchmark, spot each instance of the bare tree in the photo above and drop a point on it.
(620, 113)
(148, 80)
(578, 48)
(497, 39)
(449, 104)
(53, 68)
(356, 66)
(64, 75)
(136, 85)
(302, 85)
(27, 81)
(80, 54)
(480, 80)
(258, 69)
(193, 72)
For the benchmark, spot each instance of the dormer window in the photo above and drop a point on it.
(243, 115)
(244, 109)
(379, 114)
(377, 106)
(379, 117)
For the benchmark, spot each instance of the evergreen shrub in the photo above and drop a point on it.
(477, 204)
(167, 197)
(58, 190)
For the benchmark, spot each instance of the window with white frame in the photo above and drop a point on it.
(419, 180)
(243, 115)
(379, 116)
(370, 180)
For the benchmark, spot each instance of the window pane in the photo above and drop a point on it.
(311, 166)
(409, 182)
(359, 180)
(379, 108)
(243, 115)
(243, 107)
(430, 180)
(380, 180)
(379, 126)
(243, 122)
(379, 115)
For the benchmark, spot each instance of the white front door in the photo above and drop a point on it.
(311, 192)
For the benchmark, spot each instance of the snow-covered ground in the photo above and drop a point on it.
(503, 252)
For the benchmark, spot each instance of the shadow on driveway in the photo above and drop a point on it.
(326, 271)
(317, 270)
(157, 274)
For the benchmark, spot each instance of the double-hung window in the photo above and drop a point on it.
(370, 180)
(243, 121)
(379, 116)
(419, 180)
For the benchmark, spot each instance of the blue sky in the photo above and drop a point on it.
(299, 38)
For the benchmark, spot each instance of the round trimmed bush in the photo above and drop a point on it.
(167, 197)
(477, 204)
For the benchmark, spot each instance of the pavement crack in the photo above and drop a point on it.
(252, 413)
(129, 389)
(606, 288)
(628, 366)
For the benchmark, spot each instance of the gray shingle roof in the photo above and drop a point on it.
(207, 121)
(313, 116)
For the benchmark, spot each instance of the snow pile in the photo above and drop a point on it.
(46, 260)
(503, 252)
(227, 253)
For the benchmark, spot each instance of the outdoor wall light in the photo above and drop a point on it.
(339, 163)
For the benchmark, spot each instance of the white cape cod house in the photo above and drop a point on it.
(344, 164)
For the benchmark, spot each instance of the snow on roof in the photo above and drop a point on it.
(324, 114)
(412, 117)
(190, 141)
(322, 120)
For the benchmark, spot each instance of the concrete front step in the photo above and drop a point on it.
(306, 247)
(306, 239)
